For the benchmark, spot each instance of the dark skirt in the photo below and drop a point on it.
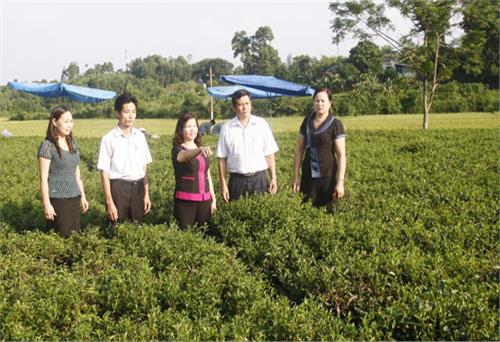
(67, 219)
(318, 190)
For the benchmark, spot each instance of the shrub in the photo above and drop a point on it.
(410, 254)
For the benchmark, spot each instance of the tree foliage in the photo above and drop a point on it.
(367, 57)
(163, 70)
(219, 66)
(479, 54)
(256, 53)
(106, 67)
(72, 71)
(431, 21)
(167, 86)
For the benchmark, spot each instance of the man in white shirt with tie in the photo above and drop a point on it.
(246, 150)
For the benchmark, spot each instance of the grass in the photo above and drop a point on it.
(98, 127)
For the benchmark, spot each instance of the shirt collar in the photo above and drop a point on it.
(118, 132)
(235, 122)
(325, 124)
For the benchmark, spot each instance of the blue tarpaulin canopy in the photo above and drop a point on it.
(269, 84)
(224, 92)
(77, 93)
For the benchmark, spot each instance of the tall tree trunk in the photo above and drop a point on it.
(430, 89)
(425, 124)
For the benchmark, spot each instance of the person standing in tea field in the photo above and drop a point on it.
(61, 185)
(123, 158)
(194, 196)
(322, 138)
(246, 149)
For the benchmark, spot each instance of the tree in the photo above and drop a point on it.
(161, 69)
(201, 69)
(257, 54)
(145, 68)
(431, 21)
(174, 70)
(479, 44)
(342, 75)
(72, 71)
(301, 69)
(106, 67)
(367, 57)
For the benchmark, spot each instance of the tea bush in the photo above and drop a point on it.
(397, 255)
(409, 254)
(150, 282)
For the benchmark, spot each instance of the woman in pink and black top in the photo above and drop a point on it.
(194, 197)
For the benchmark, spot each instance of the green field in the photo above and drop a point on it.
(410, 254)
(98, 127)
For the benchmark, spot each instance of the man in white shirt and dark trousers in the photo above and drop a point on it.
(123, 158)
(246, 150)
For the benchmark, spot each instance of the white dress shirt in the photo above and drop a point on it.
(245, 148)
(124, 157)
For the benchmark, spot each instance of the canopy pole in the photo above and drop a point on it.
(211, 101)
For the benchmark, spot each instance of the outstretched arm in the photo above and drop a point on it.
(186, 155)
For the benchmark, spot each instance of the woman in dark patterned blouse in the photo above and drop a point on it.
(61, 186)
(194, 197)
(322, 137)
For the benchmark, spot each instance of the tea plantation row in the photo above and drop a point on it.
(410, 254)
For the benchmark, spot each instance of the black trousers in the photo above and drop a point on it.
(189, 213)
(128, 197)
(67, 219)
(241, 185)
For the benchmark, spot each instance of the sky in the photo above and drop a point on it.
(40, 38)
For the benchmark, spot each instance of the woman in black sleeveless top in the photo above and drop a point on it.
(194, 196)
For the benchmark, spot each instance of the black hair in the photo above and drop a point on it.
(124, 99)
(239, 94)
(323, 90)
(181, 123)
(52, 134)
